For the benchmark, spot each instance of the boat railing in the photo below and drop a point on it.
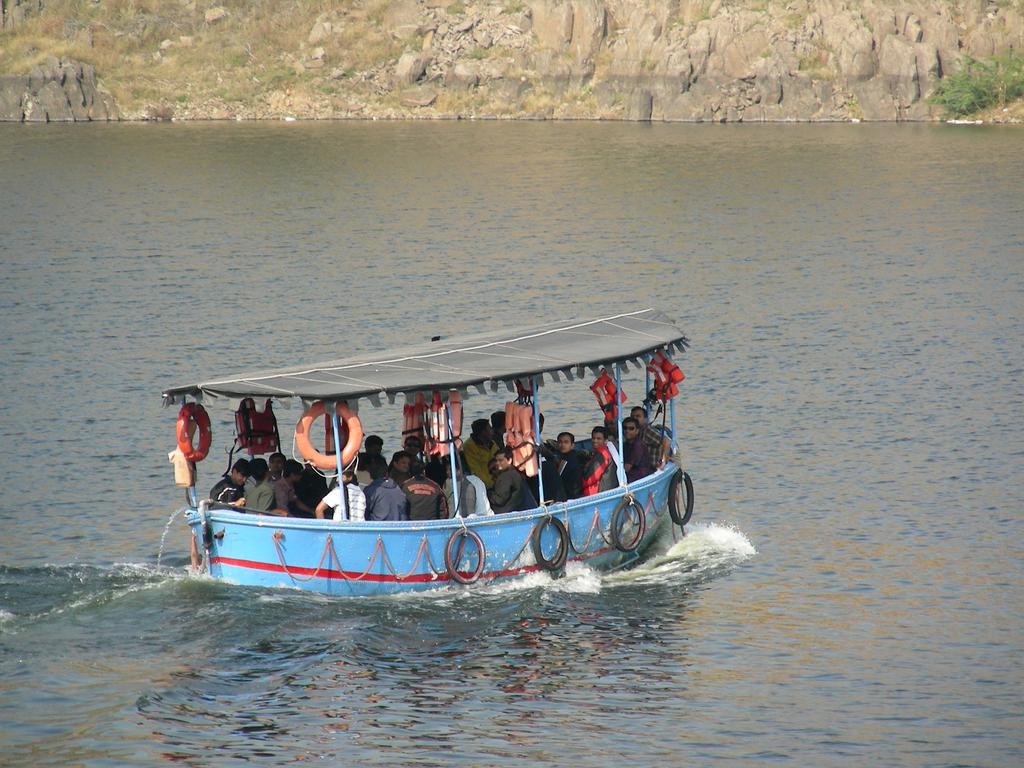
(245, 516)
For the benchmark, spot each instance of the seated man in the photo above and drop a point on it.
(635, 458)
(554, 490)
(472, 495)
(276, 462)
(311, 487)
(356, 501)
(368, 469)
(374, 446)
(231, 488)
(433, 466)
(426, 499)
(498, 428)
(385, 500)
(568, 465)
(285, 497)
(612, 478)
(413, 445)
(261, 496)
(657, 445)
(400, 462)
(510, 492)
(479, 450)
(600, 466)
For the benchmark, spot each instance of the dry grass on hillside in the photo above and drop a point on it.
(150, 52)
(162, 58)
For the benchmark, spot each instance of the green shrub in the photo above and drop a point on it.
(981, 84)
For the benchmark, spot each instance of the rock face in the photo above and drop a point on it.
(59, 91)
(829, 60)
(671, 60)
(13, 12)
(694, 60)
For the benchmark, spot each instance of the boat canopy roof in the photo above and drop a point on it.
(478, 360)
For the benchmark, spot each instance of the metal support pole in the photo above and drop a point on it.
(536, 438)
(451, 460)
(621, 470)
(647, 388)
(337, 457)
(191, 493)
(672, 406)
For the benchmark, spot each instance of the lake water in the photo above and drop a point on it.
(851, 591)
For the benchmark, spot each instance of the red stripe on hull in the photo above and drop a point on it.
(331, 573)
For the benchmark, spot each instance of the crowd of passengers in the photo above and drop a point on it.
(417, 486)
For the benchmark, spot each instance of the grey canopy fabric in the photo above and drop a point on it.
(457, 363)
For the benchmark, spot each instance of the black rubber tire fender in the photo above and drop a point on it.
(558, 561)
(623, 508)
(451, 561)
(680, 516)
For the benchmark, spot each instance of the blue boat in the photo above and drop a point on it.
(608, 530)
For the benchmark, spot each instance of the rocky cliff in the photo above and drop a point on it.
(55, 91)
(697, 60)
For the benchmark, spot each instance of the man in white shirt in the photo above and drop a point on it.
(356, 501)
(472, 494)
(620, 469)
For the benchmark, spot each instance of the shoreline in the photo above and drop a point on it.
(726, 61)
(1010, 121)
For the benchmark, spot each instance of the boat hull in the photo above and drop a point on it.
(374, 558)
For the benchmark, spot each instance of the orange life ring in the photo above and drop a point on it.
(321, 460)
(193, 416)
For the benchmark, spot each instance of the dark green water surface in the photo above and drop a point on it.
(851, 592)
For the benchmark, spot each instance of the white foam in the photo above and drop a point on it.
(705, 548)
(142, 577)
(711, 538)
(147, 571)
(578, 577)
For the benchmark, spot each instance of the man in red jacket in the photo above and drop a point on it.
(599, 465)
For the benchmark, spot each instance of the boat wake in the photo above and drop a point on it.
(708, 551)
(31, 595)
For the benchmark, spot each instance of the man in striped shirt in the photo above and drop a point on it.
(356, 501)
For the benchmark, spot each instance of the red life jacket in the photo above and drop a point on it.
(524, 394)
(607, 396)
(667, 376)
(256, 431)
(592, 482)
(519, 437)
(439, 441)
(413, 417)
